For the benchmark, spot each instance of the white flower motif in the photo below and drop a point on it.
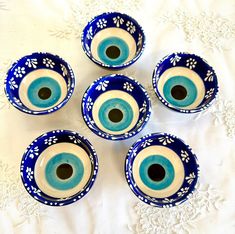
(167, 200)
(64, 70)
(102, 23)
(209, 93)
(129, 87)
(74, 139)
(146, 143)
(118, 21)
(165, 140)
(130, 27)
(36, 191)
(29, 173)
(209, 76)
(16, 100)
(175, 59)
(90, 33)
(89, 103)
(48, 62)
(140, 40)
(31, 63)
(50, 140)
(190, 178)
(12, 84)
(34, 152)
(143, 108)
(19, 71)
(102, 85)
(185, 156)
(191, 63)
(182, 191)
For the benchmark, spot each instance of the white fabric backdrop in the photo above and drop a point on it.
(202, 27)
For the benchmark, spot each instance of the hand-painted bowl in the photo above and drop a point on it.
(59, 167)
(185, 82)
(161, 170)
(39, 83)
(113, 40)
(116, 107)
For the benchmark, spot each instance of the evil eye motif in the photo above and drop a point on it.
(113, 46)
(42, 89)
(158, 171)
(115, 112)
(62, 170)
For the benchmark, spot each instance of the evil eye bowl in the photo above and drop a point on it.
(59, 167)
(39, 83)
(161, 170)
(113, 40)
(116, 107)
(185, 82)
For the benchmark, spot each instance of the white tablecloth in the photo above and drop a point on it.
(202, 27)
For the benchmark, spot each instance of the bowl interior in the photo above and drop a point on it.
(39, 83)
(116, 107)
(185, 82)
(113, 39)
(161, 170)
(59, 167)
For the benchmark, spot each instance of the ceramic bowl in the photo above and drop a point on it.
(113, 40)
(59, 167)
(185, 82)
(161, 170)
(116, 107)
(39, 83)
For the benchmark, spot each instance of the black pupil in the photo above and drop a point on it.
(115, 115)
(64, 171)
(44, 93)
(156, 172)
(178, 92)
(113, 52)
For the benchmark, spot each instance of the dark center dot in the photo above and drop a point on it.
(156, 172)
(44, 93)
(115, 115)
(64, 171)
(113, 52)
(179, 92)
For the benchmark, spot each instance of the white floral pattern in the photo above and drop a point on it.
(165, 140)
(89, 103)
(34, 152)
(182, 191)
(146, 143)
(74, 139)
(209, 93)
(130, 27)
(64, 70)
(12, 84)
(29, 173)
(190, 178)
(90, 33)
(51, 140)
(19, 72)
(184, 155)
(174, 60)
(31, 63)
(209, 76)
(118, 21)
(191, 63)
(102, 23)
(128, 86)
(144, 107)
(48, 62)
(102, 85)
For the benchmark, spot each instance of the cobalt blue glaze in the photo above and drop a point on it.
(113, 20)
(31, 63)
(34, 150)
(112, 83)
(196, 64)
(190, 165)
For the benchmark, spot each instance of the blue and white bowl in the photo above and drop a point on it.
(185, 82)
(59, 167)
(113, 40)
(116, 107)
(39, 83)
(161, 170)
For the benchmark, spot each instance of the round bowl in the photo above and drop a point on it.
(113, 40)
(185, 82)
(39, 83)
(59, 167)
(161, 170)
(116, 107)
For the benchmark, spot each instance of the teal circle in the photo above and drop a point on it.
(165, 163)
(55, 162)
(187, 84)
(117, 42)
(120, 104)
(44, 82)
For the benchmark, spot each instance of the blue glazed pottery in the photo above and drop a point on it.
(185, 82)
(116, 107)
(39, 83)
(161, 170)
(59, 167)
(113, 40)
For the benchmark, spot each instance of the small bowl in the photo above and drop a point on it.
(116, 107)
(59, 167)
(185, 82)
(113, 40)
(39, 83)
(161, 170)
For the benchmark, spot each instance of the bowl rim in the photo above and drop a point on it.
(122, 136)
(121, 66)
(155, 80)
(146, 199)
(50, 110)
